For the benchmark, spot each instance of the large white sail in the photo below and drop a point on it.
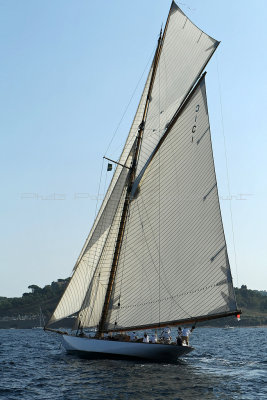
(173, 263)
(75, 293)
(185, 52)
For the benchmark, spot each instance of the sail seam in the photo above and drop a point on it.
(222, 282)
(218, 252)
(201, 137)
(204, 198)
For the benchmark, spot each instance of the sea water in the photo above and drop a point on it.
(226, 364)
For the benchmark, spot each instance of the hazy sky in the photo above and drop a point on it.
(67, 73)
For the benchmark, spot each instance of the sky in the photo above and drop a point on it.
(71, 74)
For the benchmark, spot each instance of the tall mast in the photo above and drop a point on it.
(102, 322)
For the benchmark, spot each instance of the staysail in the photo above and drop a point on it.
(77, 288)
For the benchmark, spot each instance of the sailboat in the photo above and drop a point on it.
(156, 255)
(41, 321)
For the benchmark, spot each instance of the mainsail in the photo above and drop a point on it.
(171, 263)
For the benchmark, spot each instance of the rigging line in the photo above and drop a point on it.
(187, 6)
(131, 98)
(105, 187)
(101, 173)
(123, 253)
(166, 76)
(118, 280)
(159, 121)
(227, 172)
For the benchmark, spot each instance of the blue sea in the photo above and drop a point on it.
(226, 364)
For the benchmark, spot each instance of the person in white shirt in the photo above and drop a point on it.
(166, 336)
(168, 331)
(132, 336)
(146, 338)
(186, 332)
(154, 338)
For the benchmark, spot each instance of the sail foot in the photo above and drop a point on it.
(185, 321)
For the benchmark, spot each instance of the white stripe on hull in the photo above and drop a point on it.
(96, 347)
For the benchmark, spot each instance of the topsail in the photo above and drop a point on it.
(185, 52)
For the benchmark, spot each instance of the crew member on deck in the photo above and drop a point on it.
(179, 337)
(146, 338)
(133, 337)
(186, 332)
(81, 334)
(166, 336)
(154, 338)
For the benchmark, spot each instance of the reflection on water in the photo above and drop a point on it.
(226, 364)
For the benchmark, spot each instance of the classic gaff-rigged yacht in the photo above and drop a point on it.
(156, 255)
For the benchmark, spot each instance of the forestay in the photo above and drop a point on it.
(173, 263)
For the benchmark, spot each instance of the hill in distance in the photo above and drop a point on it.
(253, 304)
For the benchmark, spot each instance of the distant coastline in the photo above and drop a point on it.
(24, 312)
(32, 323)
